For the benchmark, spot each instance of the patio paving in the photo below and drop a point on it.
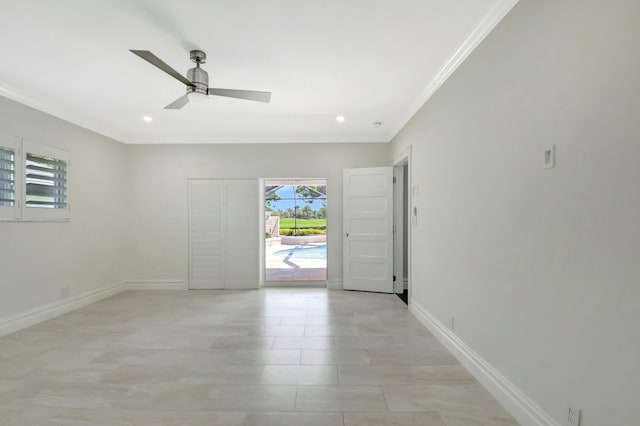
(290, 268)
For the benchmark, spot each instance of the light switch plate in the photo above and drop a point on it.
(549, 157)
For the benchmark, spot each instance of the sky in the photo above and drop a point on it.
(286, 194)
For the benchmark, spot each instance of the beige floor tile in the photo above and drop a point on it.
(255, 320)
(335, 357)
(242, 342)
(331, 330)
(301, 356)
(393, 330)
(80, 395)
(305, 321)
(220, 374)
(266, 356)
(277, 330)
(362, 342)
(294, 419)
(283, 312)
(253, 398)
(416, 356)
(141, 373)
(299, 375)
(223, 330)
(303, 343)
(132, 356)
(200, 397)
(458, 398)
(53, 416)
(340, 398)
(404, 375)
(393, 419)
(477, 419)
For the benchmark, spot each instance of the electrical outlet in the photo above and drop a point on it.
(573, 417)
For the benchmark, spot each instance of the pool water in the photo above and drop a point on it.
(304, 252)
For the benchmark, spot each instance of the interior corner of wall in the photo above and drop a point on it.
(335, 284)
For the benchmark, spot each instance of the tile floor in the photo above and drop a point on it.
(281, 357)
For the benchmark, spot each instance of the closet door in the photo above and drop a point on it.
(223, 234)
(242, 259)
(206, 238)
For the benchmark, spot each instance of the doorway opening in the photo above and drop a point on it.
(401, 225)
(295, 231)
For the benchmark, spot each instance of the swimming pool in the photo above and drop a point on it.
(304, 252)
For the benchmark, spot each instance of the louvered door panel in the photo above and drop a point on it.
(206, 237)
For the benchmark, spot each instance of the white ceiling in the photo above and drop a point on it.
(368, 60)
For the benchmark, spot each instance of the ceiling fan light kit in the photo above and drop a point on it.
(197, 81)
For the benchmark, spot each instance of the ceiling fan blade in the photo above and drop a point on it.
(154, 60)
(250, 95)
(178, 103)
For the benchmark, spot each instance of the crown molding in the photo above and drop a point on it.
(494, 15)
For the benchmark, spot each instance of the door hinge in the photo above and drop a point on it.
(395, 229)
(394, 278)
(394, 179)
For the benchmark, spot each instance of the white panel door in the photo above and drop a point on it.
(368, 229)
(206, 236)
(242, 258)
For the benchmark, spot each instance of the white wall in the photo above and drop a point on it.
(44, 263)
(541, 268)
(158, 193)
(129, 208)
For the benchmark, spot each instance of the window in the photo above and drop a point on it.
(33, 181)
(7, 176)
(8, 183)
(46, 180)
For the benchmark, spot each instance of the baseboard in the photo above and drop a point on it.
(298, 284)
(521, 407)
(335, 284)
(156, 285)
(28, 318)
(46, 312)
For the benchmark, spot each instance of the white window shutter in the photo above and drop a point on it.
(9, 178)
(46, 182)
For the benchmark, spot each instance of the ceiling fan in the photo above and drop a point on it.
(197, 81)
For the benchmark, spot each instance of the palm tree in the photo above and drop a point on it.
(307, 210)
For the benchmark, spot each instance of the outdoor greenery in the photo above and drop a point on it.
(302, 232)
(270, 200)
(305, 212)
(311, 193)
(303, 223)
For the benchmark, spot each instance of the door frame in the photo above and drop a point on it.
(398, 211)
(261, 230)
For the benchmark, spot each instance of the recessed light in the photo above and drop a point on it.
(340, 119)
(147, 119)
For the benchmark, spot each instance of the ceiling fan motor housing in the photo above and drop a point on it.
(197, 75)
(200, 80)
